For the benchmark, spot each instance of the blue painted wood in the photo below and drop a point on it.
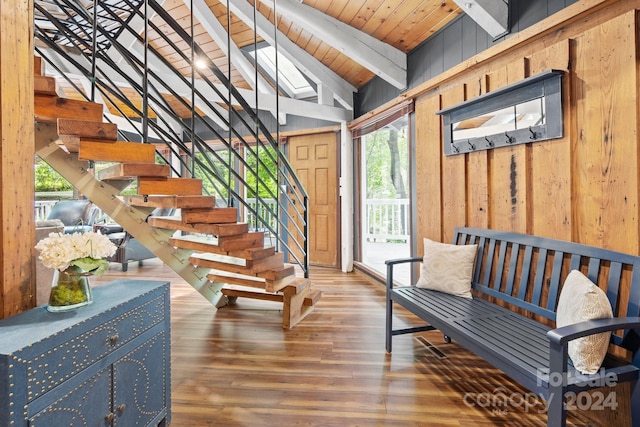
(519, 345)
(613, 283)
(539, 278)
(501, 263)
(57, 368)
(524, 275)
(511, 272)
(554, 282)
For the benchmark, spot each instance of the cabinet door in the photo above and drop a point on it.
(140, 384)
(84, 406)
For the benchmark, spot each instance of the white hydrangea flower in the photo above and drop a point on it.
(62, 250)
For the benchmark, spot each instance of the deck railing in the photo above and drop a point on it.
(265, 210)
(387, 220)
(43, 208)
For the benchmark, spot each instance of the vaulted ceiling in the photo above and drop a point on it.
(337, 45)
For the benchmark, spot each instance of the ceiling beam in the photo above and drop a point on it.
(218, 33)
(127, 38)
(266, 102)
(491, 15)
(380, 58)
(304, 61)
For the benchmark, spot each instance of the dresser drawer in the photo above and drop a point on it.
(54, 365)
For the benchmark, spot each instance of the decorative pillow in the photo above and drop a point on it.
(581, 300)
(447, 268)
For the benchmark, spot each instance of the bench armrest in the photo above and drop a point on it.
(402, 260)
(561, 336)
(391, 262)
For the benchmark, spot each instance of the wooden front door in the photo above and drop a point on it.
(315, 160)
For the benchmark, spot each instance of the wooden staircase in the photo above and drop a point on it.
(217, 255)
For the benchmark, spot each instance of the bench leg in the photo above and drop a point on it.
(558, 358)
(556, 416)
(389, 324)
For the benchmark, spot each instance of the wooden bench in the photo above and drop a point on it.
(510, 320)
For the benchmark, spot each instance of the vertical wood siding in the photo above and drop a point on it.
(17, 228)
(582, 187)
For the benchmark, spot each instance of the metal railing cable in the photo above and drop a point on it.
(87, 38)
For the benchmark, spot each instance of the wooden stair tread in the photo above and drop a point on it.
(237, 279)
(200, 243)
(130, 171)
(235, 265)
(70, 143)
(231, 292)
(298, 301)
(172, 201)
(297, 286)
(124, 152)
(313, 298)
(170, 186)
(219, 230)
(38, 66)
(251, 281)
(278, 274)
(88, 129)
(210, 216)
(44, 85)
(54, 107)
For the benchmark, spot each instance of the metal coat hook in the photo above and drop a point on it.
(510, 139)
(534, 135)
(473, 147)
(489, 142)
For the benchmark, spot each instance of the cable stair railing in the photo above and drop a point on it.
(239, 256)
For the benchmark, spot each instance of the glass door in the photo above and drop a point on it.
(385, 220)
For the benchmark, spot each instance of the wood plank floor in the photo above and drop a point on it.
(237, 367)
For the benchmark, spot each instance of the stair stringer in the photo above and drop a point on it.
(133, 220)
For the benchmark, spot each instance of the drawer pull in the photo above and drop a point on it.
(121, 407)
(114, 339)
(110, 417)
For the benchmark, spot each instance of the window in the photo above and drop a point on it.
(290, 79)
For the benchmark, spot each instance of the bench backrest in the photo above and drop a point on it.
(528, 271)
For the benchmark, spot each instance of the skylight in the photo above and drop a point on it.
(290, 78)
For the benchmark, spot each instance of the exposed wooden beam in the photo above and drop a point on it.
(266, 102)
(491, 15)
(218, 33)
(382, 59)
(305, 62)
(126, 38)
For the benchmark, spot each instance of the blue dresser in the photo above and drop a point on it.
(106, 364)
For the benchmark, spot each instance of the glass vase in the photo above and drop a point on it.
(70, 289)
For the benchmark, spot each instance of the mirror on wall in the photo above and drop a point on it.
(527, 111)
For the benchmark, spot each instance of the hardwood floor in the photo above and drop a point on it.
(237, 367)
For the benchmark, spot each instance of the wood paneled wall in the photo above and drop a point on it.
(583, 187)
(17, 232)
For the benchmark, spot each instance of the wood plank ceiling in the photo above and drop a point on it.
(337, 50)
(403, 24)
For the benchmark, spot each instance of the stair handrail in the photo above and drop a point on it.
(285, 173)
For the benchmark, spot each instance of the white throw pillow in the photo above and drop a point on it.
(447, 268)
(581, 300)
